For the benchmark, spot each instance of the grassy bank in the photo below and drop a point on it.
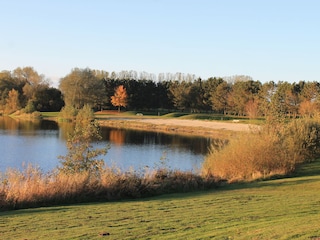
(49, 114)
(286, 208)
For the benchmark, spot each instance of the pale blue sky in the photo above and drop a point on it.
(265, 39)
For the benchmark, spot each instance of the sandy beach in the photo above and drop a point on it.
(216, 125)
(217, 129)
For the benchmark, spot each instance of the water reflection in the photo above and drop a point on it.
(198, 145)
(16, 126)
(116, 136)
(41, 142)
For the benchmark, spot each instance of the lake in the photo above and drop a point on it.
(40, 142)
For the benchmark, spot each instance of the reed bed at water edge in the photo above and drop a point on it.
(32, 188)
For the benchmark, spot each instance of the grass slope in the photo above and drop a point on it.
(286, 208)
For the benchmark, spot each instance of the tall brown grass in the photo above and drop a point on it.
(273, 150)
(32, 188)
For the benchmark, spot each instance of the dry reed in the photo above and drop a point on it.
(273, 150)
(32, 188)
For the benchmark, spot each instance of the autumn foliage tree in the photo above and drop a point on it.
(12, 103)
(119, 99)
(31, 92)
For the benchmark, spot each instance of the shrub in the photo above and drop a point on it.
(85, 114)
(302, 137)
(68, 112)
(29, 108)
(276, 149)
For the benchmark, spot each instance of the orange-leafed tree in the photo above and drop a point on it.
(119, 99)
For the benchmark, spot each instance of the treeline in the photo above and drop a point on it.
(235, 95)
(24, 88)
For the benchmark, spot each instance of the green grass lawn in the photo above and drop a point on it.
(49, 114)
(287, 208)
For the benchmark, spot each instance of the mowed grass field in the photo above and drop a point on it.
(287, 208)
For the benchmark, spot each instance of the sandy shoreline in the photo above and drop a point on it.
(232, 126)
(179, 126)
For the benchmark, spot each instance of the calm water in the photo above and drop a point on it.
(41, 142)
